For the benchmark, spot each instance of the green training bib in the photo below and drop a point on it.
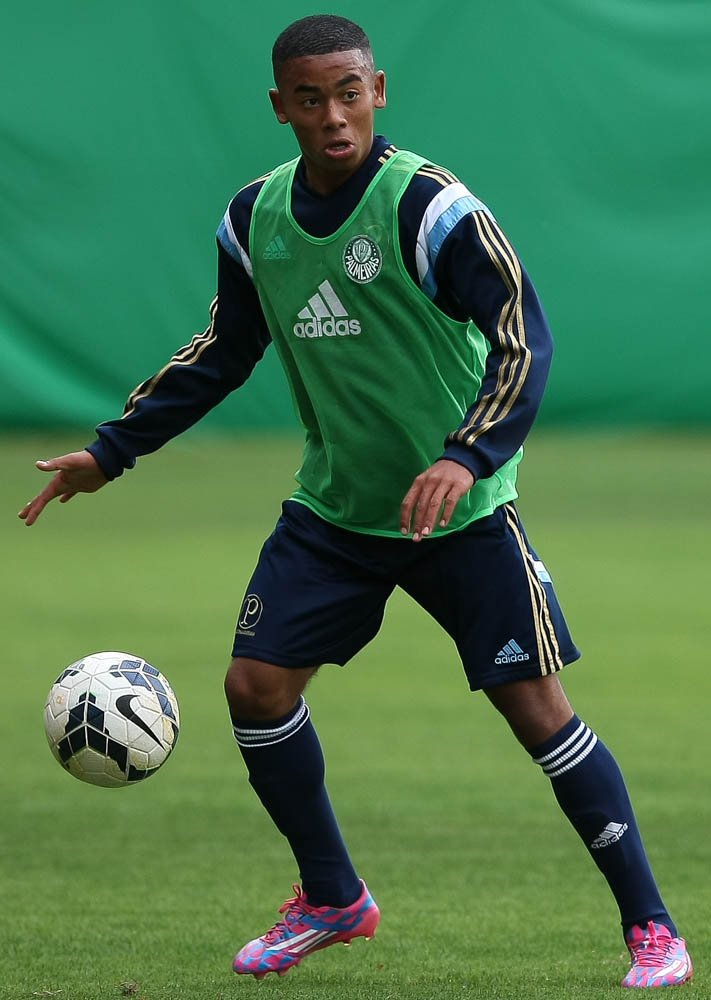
(378, 374)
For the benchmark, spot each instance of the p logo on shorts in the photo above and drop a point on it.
(250, 614)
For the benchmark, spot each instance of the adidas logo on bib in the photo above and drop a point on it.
(325, 316)
(276, 250)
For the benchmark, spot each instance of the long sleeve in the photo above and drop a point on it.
(194, 380)
(482, 271)
(457, 253)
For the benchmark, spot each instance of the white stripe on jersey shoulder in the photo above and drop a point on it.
(226, 236)
(226, 233)
(448, 206)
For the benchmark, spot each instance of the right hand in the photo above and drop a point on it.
(78, 472)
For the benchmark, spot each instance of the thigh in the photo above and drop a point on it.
(489, 590)
(315, 596)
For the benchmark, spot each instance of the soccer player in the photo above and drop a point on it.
(417, 353)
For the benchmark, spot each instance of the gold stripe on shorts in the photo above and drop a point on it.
(549, 657)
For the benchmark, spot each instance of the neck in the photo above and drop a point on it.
(325, 183)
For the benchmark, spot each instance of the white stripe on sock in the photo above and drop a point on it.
(576, 760)
(563, 746)
(266, 737)
(572, 752)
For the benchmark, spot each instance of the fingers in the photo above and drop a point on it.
(427, 512)
(407, 507)
(75, 473)
(33, 508)
(421, 505)
(434, 506)
(449, 503)
(433, 498)
(57, 487)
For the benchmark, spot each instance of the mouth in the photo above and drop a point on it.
(339, 149)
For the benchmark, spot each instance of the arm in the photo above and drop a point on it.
(475, 273)
(485, 275)
(196, 378)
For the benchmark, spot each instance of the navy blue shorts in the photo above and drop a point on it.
(318, 595)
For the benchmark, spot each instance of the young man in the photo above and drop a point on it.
(417, 354)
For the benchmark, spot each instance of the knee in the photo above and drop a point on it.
(535, 708)
(256, 690)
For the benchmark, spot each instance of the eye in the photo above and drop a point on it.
(310, 102)
(350, 95)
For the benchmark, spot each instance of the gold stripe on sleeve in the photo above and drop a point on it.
(511, 333)
(438, 174)
(187, 355)
(257, 180)
(387, 153)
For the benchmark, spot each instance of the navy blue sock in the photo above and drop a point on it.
(286, 770)
(590, 790)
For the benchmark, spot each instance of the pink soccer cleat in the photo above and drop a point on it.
(658, 959)
(305, 929)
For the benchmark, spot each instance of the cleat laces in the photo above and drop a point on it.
(650, 952)
(658, 959)
(292, 909)
(304, 929)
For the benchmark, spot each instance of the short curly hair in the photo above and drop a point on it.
(318, 35)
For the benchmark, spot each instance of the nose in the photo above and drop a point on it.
(333, 117)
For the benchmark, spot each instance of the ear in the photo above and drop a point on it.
(379, 90)
(278, 106)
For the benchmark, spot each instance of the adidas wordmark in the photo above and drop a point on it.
(276, 250)
(610, 835)
(511, 653)
(325, 316)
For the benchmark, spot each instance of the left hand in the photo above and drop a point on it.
(434, 495)
(78, 472)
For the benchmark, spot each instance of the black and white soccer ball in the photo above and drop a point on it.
(111, 719)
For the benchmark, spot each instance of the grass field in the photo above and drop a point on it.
(485, 890)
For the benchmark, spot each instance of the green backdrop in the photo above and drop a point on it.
(125, 129)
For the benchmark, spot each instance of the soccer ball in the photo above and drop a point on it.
(111, 719)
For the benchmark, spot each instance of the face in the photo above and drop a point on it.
(330, 103)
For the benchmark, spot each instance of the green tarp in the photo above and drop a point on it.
(126, 128)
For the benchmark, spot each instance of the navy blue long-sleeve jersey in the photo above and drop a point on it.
(452, 248)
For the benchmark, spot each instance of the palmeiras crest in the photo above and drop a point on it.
(362, 259)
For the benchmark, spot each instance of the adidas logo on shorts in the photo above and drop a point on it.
(325, 316)
(511, 653)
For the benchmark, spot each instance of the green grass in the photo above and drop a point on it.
(485, 891)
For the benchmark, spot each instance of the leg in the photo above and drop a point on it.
(591, 791)
(286, 769)
(308, 602)
(283, 756)
(493, 595)
(535, 709)
(256, 690)
(589, 788)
